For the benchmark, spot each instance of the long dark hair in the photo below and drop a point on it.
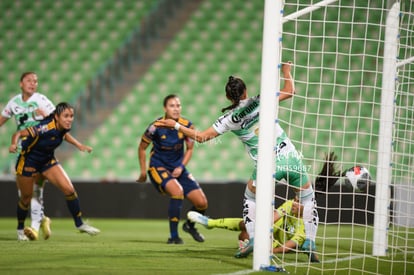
(235, 88)
(329, 174)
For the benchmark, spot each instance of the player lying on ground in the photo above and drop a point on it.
(288, 228)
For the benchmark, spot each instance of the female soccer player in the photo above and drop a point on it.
(241, 119)
(167, 170)
(29, 108)
(37, 157)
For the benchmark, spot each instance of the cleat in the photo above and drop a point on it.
(45, 227)
(193, 232)
(176, 240)
(21, 237)
(245, 248)
(198, 218)
(309, 248)
(31, 234)
(86, 228)
(308, 245)
(313, 257)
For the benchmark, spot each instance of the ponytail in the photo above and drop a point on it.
(235, 89)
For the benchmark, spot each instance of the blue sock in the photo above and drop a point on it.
(22, 211)
(73, 204)
(174, 210)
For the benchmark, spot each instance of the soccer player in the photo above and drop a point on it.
(241, 119)
(36, 157)
(167, 168)
(288, 227)
(28, 108)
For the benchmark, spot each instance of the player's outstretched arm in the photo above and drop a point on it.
(286, 247)
(198, 136)
(72, 140)
(3, 120)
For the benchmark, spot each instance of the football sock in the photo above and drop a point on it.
(36, 207)
(174, 210)
(310, 219)
(226, 223)
(73, 204)
(22, 211)
(249, 216)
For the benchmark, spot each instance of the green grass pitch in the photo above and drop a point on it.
(135, 246)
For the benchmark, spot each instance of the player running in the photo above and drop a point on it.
(37, 158)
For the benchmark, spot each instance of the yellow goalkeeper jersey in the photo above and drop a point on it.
(288, 227)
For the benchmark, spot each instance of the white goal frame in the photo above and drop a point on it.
(271, 59)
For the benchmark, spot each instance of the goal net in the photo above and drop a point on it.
(353, 64)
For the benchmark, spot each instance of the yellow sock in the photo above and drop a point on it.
(232, 224)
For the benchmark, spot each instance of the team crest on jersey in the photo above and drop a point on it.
(152, 129)
(163, 137)
(43, 129)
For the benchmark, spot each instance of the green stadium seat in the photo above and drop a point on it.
(195, 66)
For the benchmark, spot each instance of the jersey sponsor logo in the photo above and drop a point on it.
(246, 123)
(237, 117)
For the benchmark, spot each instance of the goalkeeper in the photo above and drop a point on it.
(288, 228)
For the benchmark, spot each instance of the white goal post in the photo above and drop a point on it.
(353, 64)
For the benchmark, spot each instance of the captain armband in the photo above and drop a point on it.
(177, 126)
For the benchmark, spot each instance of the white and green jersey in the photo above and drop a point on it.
(243, 122)
(24, 111)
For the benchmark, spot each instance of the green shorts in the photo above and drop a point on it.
(291, 169)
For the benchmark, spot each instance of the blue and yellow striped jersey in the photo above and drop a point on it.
(168, 145)
(42, 141)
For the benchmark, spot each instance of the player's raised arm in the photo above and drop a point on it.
(289, 86)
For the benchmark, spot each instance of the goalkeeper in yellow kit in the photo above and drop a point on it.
(288, 228)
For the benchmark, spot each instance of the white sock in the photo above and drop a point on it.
(310, 219)
(249, 216)
(36, 207)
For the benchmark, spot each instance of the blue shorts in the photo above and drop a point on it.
(29, 167)
(159, 177)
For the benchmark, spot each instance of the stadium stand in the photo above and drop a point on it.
(65, 42)
(220, 39)
(196, 66)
